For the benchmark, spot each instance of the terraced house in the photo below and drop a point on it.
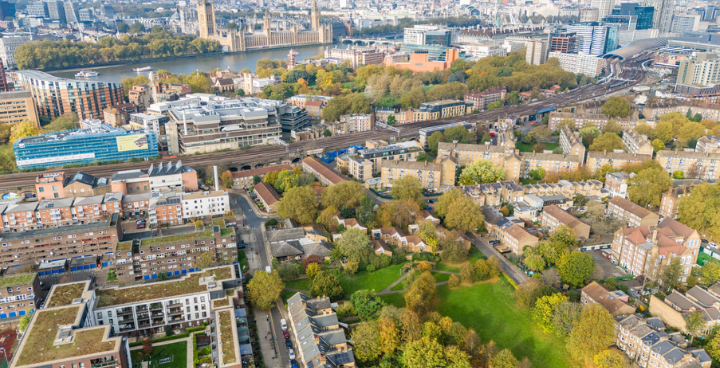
(320, 336)
(181, 303)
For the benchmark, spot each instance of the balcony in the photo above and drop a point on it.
(156, 306)
(107, 363)
(175, 312)
(158, 315)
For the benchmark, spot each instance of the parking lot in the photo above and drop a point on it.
(604, 267)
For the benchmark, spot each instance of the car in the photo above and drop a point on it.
(140, 226)
(283, 324)
(42, 305)
(429, 208)
(293, 363)
(288, 343)
(291, 353)
(286, 334)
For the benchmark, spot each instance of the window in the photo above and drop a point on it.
(54, 187)
(42, 189)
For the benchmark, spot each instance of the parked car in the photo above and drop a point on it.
(286, 334)
(288, 343)
(293, 363)
(283, 324)
(291, 353)
(140, 225)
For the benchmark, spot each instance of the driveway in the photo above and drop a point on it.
(513, 272)
(607, 268)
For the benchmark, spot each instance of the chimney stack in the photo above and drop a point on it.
(217, 183)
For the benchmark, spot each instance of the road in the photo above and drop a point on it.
(507, 267)
(243, 158)
(253, 221)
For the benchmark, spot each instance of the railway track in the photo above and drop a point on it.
(244, 157)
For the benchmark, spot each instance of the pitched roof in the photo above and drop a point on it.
(380, 244)
(267, 193)
(562, 216)
(260, 171)
(619, 156)
(324, 170)
(412, 165)
(630, 207)
(518, 233)
(605, 298)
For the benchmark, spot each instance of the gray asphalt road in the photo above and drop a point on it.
(507, 267)
(253, 221)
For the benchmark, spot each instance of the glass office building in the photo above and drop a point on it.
(644, 14)
(93, 142)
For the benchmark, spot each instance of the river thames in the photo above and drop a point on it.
(236, 62)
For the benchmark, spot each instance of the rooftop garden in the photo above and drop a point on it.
(65, 294)
(224, 302)
(125, 246)
(174, 239)
(227, 232)
(17, 280)
(159, 290)
(220, 221)
(39, 343)
(226, 337)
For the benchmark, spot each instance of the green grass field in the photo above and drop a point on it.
(474, 255)
(490, 309)
(524, 147)
(178, 352)
(702, 258)
(302, 284)
(440, 277)
(377, 280)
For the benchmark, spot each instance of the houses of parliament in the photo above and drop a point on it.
(248, 39)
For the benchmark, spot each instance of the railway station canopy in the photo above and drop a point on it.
(636, 47)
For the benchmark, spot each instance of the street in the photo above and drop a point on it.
(258, 259)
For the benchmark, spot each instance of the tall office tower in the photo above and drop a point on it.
(565, 42)
(7, 9)
(604, 7)
(536, 52)
(206, 18)
(56, 10)
(594, 37)
(71, 12)
(38, 9)
(589, 15)
(662, 18)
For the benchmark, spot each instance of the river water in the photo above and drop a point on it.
(236, 62)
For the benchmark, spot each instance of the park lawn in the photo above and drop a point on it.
(302, 284)
(396, 299)
(377, 280)
(286, 294)
(440, 277)
(524, 147)
(490, 309)
(178, 351)
(474, 255)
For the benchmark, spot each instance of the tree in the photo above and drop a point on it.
(421, 296)
(366, 342)
(25, 321)
(367, 304)
(535, 261)
(611, 358)
(458, 211)
(544, 310)
(593, 333)
(396, 213)
(453, 251)
(607, 142)
(285, 181)
(312, 270)
(672, 272)
(576, 267)
(271, 177)
(679, 174)
(240, 92)
(658, 145)
(453, 281)
(288, 271)
(616, 107)
(327, 133)
(147, 347)
(701, 210)
(565, 315)
(407, 188)
(326, 284)
(299, 204)
(434, 140)
(563, 240)
(713, 347)
(66, 121)
(537, 174)
(122, 27)
(264, 289)
(538, 134)
(355, 245)
(199, 224)
(483, 171)
(227, 178)
(695, 324)
(25, 128)
(347, 193)
(504, 359)
(647, 187)
(389, 335)
(711, 272)
(663, 131)
(588, 134)
(424, 353)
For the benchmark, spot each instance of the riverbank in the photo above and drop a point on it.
(181, 57)
(186, 64)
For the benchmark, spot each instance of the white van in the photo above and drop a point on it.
(283, 324)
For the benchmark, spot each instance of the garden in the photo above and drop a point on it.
(174, 355)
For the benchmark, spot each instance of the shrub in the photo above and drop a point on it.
(453, 282)
(271, 222)
(370, 268)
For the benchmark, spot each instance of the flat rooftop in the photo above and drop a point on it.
(17, 280)
(174, 239)
(64, 294)
(63, 230)
(160, 290)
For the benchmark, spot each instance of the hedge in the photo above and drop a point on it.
(166, 338)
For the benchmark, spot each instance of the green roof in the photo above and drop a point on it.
(174, 239)
(64, 294)
(226, 337)
(125, 246)
(227, 232)
(17, 280)
(39, 345)
(158, 290)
